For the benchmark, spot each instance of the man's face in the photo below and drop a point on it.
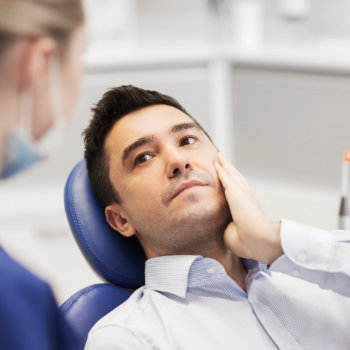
(162, 166)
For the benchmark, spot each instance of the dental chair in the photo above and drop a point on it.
(119, 261)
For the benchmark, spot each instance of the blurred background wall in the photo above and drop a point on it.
(269, 80)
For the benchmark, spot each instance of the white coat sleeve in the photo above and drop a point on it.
(113, 338)
(315, 255)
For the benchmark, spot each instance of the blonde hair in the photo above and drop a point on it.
(38, 18)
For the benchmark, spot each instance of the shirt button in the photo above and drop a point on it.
(301, 257)
(210, 270)
(289, 347)
(295, 273)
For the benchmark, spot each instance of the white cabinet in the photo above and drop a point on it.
(189, 85)
(291, 126)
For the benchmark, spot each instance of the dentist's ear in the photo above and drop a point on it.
(35, 64)
(116, 218)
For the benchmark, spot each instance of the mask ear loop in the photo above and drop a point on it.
(55, 87)
(26, 113)
(54, 136)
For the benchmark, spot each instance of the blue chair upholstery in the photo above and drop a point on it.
(86, 307)
(118, 260)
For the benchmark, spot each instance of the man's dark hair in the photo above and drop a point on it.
(114, 105)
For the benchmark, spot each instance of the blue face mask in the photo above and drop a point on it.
(19, 154)
(21, 150)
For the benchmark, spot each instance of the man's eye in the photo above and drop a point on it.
(142, 158)
(187, 140)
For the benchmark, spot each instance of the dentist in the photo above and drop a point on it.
(41, 43)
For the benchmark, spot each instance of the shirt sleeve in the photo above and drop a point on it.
(315, 255)
(113, 338)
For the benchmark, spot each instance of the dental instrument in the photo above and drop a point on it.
(344, 214)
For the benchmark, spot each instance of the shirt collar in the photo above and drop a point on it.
(169, 273)
(175, 273)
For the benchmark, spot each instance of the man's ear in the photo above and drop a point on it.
(116, 218)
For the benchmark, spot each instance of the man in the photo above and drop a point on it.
(160, 178)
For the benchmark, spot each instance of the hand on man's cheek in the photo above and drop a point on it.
(250, 234)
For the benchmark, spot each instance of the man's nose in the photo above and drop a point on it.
(177, 162)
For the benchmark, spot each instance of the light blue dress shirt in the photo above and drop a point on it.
(188, 302)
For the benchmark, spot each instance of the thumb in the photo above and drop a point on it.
(231, 237)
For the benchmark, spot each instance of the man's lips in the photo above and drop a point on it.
(186, 186)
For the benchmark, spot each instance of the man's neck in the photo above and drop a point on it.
(212, 247)
(235, 269)
(233, 265)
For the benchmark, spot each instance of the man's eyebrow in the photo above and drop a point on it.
(149, 139)
(138, 143)
(184, 126)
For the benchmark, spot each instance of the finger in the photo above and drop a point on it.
(229, 185)
(224, 177)
(229, 167)
(229, 182)
(224, 162)
(228, 178)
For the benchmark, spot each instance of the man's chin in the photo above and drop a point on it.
(198, 213)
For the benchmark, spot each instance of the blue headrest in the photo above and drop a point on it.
(117, 259)
(86, 307)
